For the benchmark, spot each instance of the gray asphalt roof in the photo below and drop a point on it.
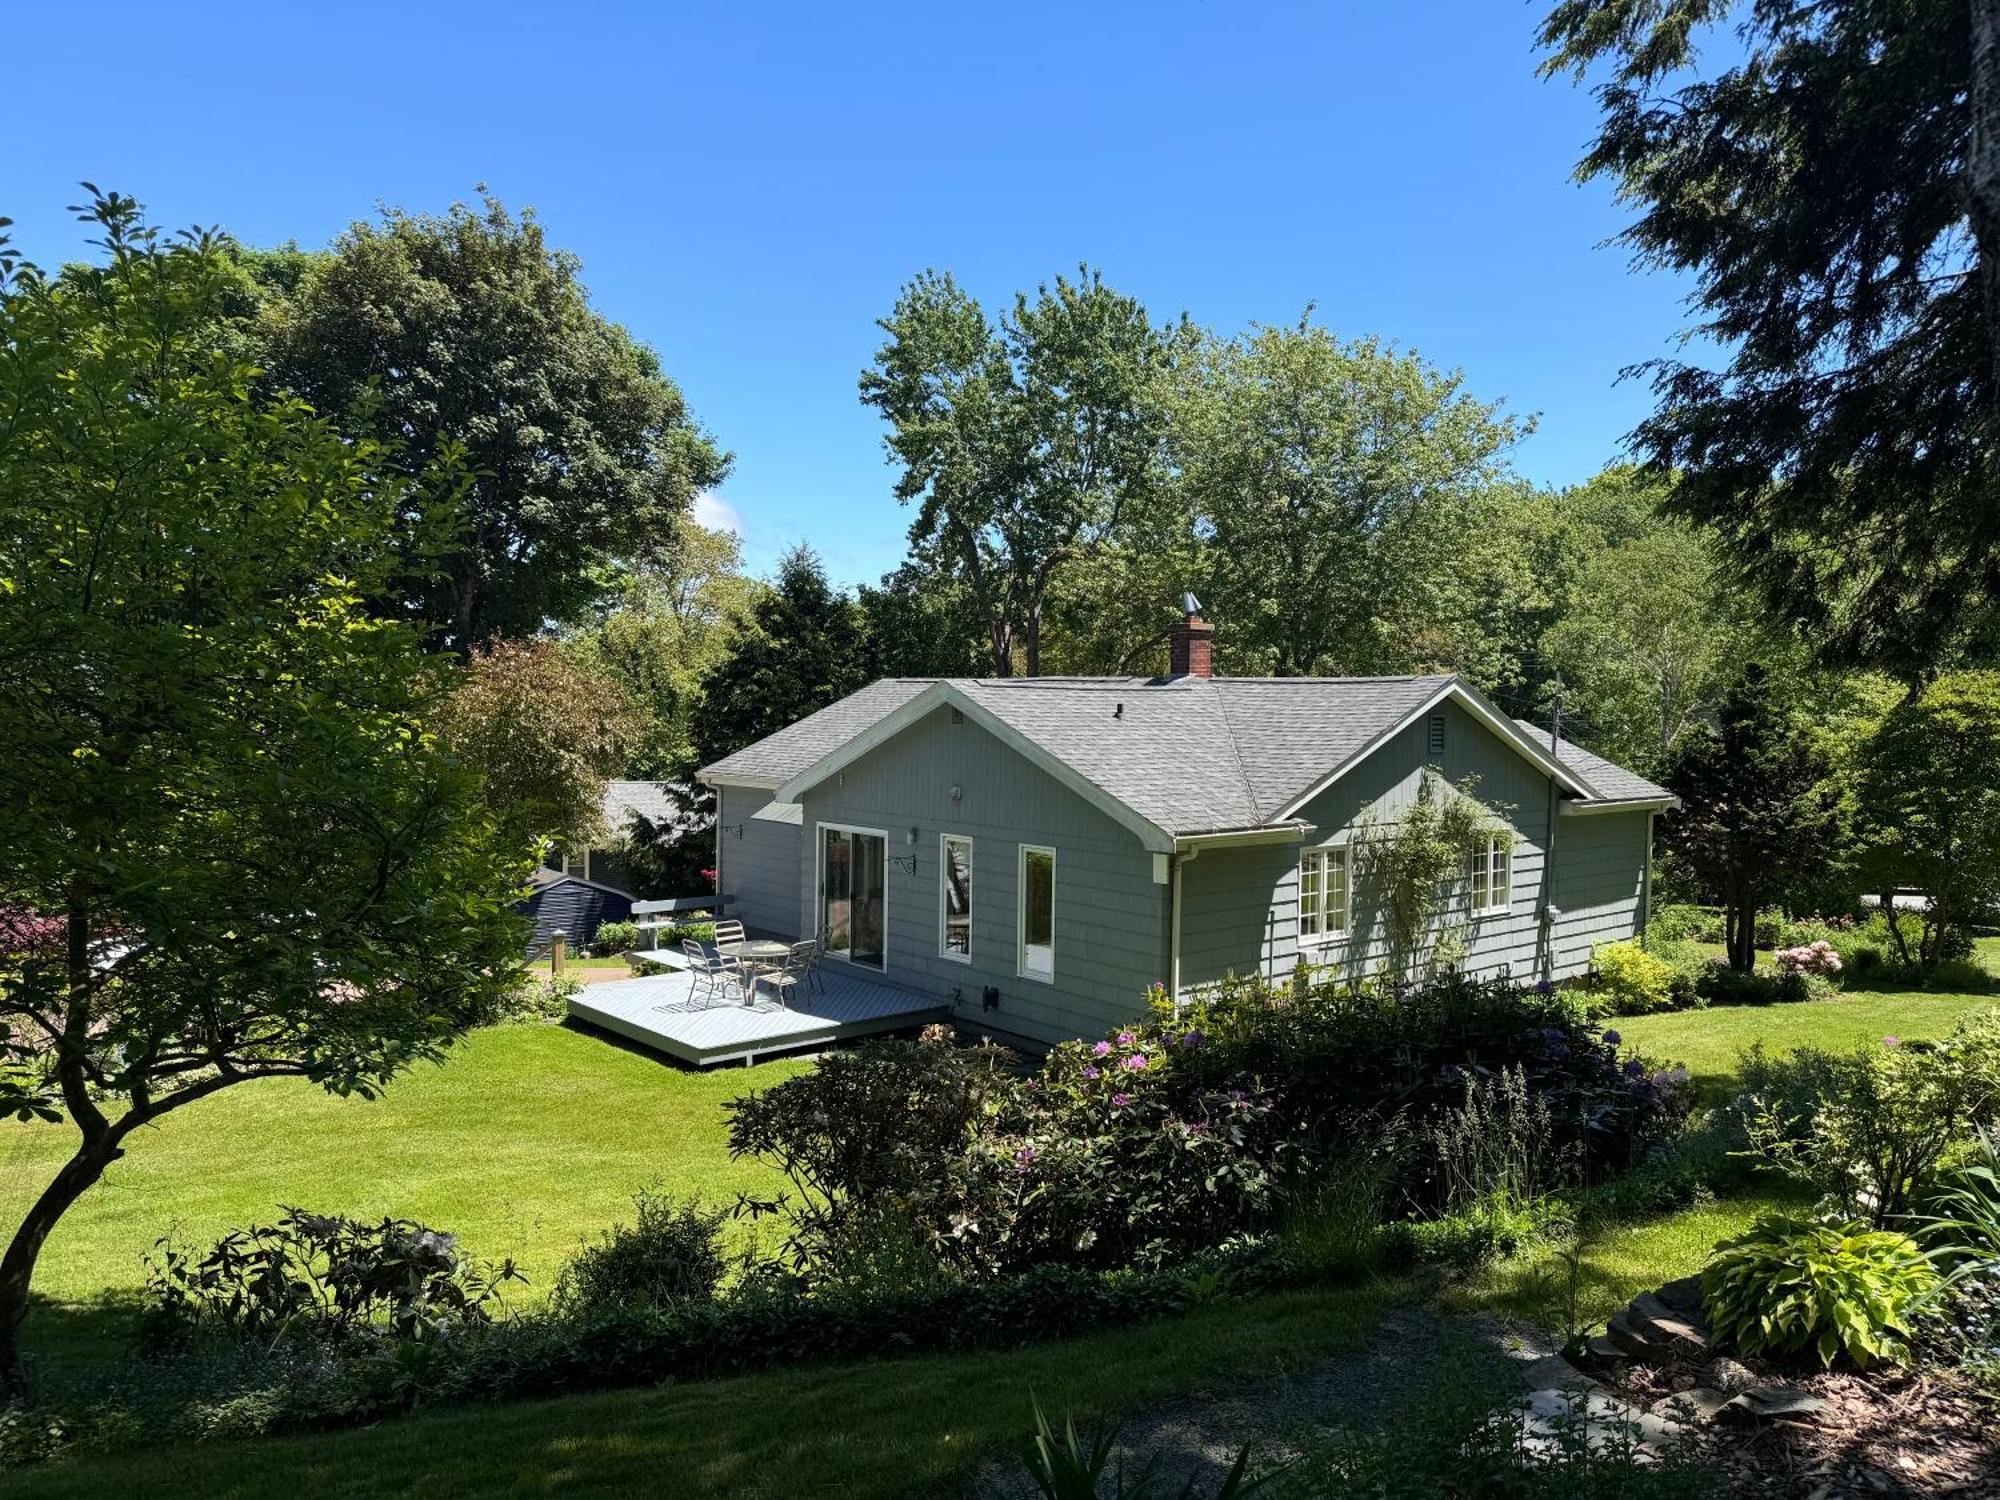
(1611, 781)
(1189, 754)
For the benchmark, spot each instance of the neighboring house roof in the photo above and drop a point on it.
(655, 801)
(1611, 781)
(1172, 757)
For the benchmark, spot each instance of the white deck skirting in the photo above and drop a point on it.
(656, 1012)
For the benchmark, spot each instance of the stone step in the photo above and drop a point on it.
(1631, 1337)
(1651, 1309)
(1602, 1354)
(1684, 1297)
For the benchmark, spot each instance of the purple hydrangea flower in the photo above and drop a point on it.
(1025, 1155)
(1093, 1073)
(1136, 1062)
(1193, 1038)
(1544, 987)
(1127, 1038)
(1633, 1067)
(1102, 1049)
(1613, 1038)
(1119, 1101)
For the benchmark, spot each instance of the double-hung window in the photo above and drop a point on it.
(1323, 887)
(955, 898)
(1492, 873)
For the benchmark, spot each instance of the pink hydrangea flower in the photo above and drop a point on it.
(1102, 1049)
(1127, 1038)
(1136, 1062)
(1093, 1073)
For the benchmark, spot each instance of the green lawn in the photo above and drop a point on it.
(893, 1428)
(1710, 1041)
(529, 1139)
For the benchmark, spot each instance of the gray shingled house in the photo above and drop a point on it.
(1040, 851)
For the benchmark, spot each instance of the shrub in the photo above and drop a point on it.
(1792, 1286)
(1630, 981)
(1867, 1128)
(669, 1256)
(322, 1274)
(1685, 924)
(1815, 958)
(614, 938)
(1721, 985)
(1497, 1146)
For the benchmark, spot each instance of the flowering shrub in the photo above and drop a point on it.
(1817, 958)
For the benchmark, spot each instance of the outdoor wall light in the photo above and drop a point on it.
(956, 791)
(734, 830)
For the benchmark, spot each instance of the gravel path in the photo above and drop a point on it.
(1197, 1436)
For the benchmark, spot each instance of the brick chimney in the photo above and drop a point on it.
(1190, 652)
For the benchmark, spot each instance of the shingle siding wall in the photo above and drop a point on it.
(1110, 917)
(1240, 911)
(760, 869)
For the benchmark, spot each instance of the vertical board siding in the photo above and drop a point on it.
(1110, 917)
(1240, 911)
(761, 868)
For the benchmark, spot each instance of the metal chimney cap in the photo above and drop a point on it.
(1190, 604)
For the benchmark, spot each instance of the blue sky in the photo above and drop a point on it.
(749, 185)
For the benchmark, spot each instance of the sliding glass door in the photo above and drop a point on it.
(852, 895)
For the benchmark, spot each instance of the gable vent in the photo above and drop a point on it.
(1435, 743)
(958, 716)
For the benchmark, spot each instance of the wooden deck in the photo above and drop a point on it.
(656, 1012)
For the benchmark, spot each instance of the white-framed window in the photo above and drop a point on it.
(1324, 883)
(1036, 930)
(955, 897)
(1492, 873)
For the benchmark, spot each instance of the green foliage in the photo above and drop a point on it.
(322, 1276)
(1351, 498)
(1410, 870)
(1630, 980)
(467, 331)
(669, 623)
(1757, 810)
(1067, 1468)
(1024, 446)
(544, 733)
(1793, 1286)
(1866, 1128)
(1651, 632)
(1930, 799)
(227, 765)
(1961, 1218)
(1814, 171)
(670, 1255)
(1496, 1146)
(614, 937)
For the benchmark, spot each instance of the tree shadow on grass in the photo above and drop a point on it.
(67, 1341)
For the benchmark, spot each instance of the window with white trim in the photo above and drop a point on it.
(1037, 898)
(955, 898)
(1323, 894)
(1492, 873)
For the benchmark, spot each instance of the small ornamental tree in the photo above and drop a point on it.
(544, 730)
(1758, 810)
(229, 846)
(1930, 803)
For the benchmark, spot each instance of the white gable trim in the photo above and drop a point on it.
(941, 694)
(1454, 691)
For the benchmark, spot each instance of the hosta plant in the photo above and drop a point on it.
(1793, 1286)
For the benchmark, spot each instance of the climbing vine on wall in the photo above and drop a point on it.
(1411, 868)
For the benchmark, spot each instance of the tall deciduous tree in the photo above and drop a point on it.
(215, 771)
(1758, 810)
(1344, 490)
(1930, 802)
(1024, 445)
(668, 625)
(1834, 187)
(469, 329)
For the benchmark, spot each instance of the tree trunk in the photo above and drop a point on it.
(1888, 899)
(1741, 934)
(1982, 172)
(17, 1267)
